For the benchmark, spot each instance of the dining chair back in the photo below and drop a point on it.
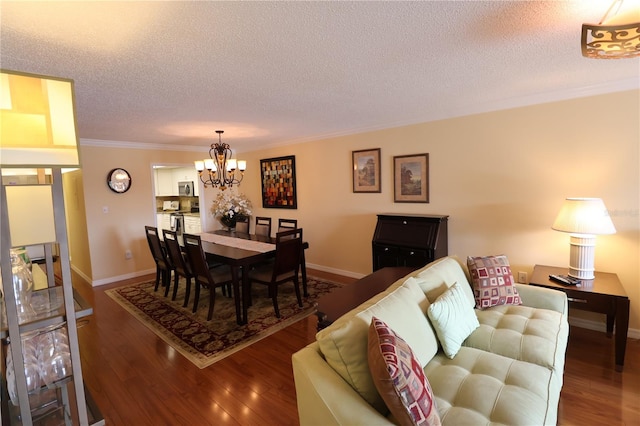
(263, 226)
(286, 224)
(242, 225)
(211, 278)
(181, 266)
(163, 264)
(285, 267)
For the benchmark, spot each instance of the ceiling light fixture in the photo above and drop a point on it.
(617, 35)
(220, 168)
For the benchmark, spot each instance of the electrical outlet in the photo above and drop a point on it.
(522, 277)
(127, 254)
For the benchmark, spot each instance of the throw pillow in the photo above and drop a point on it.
(453, 319)
(399, 377)
(492, 281)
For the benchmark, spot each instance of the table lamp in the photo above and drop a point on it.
(37, 130)
(583, 219)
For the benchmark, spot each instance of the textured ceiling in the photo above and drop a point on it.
(273, 73)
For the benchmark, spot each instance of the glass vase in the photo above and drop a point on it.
(22, 287)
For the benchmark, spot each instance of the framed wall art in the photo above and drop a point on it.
(366, 170)
(411, 178)
(279, 182)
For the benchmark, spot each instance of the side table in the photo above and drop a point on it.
(604, 295)
(332, 306)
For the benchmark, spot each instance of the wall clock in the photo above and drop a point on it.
(119, 180)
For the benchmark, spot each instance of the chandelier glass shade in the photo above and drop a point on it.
(617, 35)
(220, 170)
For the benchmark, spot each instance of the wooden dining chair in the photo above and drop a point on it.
(211, 278)
(287, 224)
(181, 266)
(285, 267)
(164, 267)
(242, 225)
(263, 226)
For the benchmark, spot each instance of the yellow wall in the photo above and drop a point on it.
(501, 176)
(75, 215)
(121, 227)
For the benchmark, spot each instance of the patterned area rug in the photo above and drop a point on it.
(204, 342)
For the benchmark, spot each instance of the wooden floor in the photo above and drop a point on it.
(137, 379)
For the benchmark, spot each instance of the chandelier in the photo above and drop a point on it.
(220, 169)
(616, 36)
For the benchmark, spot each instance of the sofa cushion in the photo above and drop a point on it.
(481, 388)
(399, 378)
(523, 333)
(435, 278)
(344, 344)
(492, 281)
(452, 318)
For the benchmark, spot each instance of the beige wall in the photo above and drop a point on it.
(75, 214)
(501, 177)
(121, 227)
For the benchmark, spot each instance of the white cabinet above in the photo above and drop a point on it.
(167, 179)
(164, 183)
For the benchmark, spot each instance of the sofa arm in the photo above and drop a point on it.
(544, 298)
(324, 398)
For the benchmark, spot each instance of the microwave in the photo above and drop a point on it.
(185, 189)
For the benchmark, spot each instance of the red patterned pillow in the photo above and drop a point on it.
(492, 281)
(399, 377)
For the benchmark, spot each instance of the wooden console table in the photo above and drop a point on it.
(340, 301)
(604, 295)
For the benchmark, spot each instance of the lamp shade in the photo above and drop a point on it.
(37, 121)
(584, 216)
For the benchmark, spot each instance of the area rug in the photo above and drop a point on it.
(204, 342)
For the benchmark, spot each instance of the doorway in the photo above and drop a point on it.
(176, 195)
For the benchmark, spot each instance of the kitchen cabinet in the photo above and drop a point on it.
(189, 174)
(167, 179)
(192, 224)
(164, 183)
(40, 394)
(164, 221)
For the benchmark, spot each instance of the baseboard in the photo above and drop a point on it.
(110, 280)
(600, 326)
(335, 271)
(82, 274)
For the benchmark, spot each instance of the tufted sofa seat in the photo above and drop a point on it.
(508, 371)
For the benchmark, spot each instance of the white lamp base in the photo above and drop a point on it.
(582, 256)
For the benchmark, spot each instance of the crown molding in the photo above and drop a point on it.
(467, 110)
(137, 145)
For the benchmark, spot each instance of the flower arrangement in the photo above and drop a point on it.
(229, 206)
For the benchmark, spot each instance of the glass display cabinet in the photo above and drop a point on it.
(41, 381)
(42, 374)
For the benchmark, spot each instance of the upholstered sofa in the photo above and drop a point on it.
(509, 370)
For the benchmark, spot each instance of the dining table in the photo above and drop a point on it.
(242, 251)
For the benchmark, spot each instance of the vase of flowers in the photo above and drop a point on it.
(229, 206)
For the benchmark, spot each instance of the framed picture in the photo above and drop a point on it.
(279, 182)
(366, 170)
(411, 178)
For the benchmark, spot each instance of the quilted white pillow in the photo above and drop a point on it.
(344, 345)
(453, 319)
(438, 276)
